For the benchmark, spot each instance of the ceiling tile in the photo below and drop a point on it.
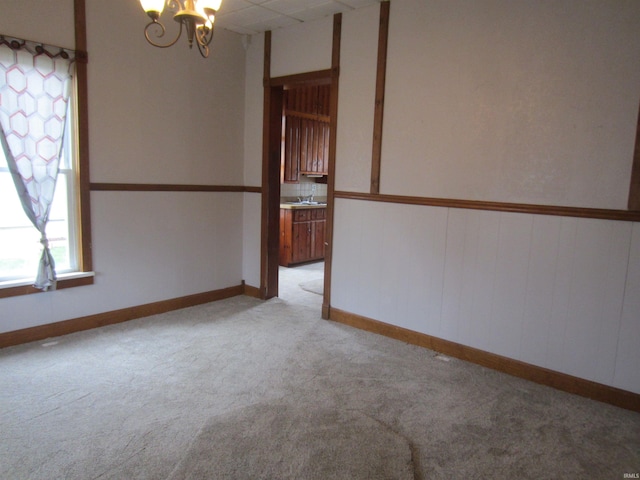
(233, 5)
(274, 23)
(286, 6)
(254, 16)
(247, 16)
(357, 3)
(320, 11)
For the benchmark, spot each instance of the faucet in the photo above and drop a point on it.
(308, 198)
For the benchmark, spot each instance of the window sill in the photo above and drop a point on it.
(25, 287)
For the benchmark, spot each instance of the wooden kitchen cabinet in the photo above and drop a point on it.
(302, 235)
(306, 132)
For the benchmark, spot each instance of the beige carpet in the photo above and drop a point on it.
(280, 441)
(249, 389)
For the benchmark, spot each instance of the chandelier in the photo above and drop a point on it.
(196, 16)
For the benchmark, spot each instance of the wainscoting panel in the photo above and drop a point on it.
(556, 292)
(627, 374)
(597, 283)
(510, 288)
(542, 265)
(560, 282)
(413, 294)
(404, 289)
(470, 270)
(347, 236)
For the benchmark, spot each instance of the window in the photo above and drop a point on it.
(36, 95)
(19, 240)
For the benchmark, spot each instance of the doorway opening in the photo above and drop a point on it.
(298, 198)
(304, 170)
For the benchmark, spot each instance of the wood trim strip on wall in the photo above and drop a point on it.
(331, 180)
(378, 116)
(82, 85)
(634, 189)
(318, 77)
(161, 187)
(561, 381)
(41, 332)
(604, 214)
(264, 214)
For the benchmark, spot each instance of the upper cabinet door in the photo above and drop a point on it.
(311, 101)
(291, 149)
(306, 142)
(323, 103)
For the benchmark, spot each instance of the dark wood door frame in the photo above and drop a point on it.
(271, 156)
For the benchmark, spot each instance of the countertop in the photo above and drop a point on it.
(300, 206)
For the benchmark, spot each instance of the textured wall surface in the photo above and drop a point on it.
(550, 291)
(155, 116)
(528, 102)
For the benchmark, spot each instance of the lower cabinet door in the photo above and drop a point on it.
(301, 245)
(317, 239)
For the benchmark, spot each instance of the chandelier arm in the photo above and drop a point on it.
(203, 49)
(204, 37)
(189, 16)
(155, 22)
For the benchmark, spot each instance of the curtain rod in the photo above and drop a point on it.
(39, 48)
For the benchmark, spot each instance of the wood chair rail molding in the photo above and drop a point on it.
(604, 214)
(161, 187)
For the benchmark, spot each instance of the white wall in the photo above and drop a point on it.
(358, 59)
(543, 124)
(148, 246)
(253, 110)
(550, 291)
(531, 102)
(251, 238)
(155, 116)
(497, 101)
(305, 47)
(162, 115)
(253, 119)
(52, 25)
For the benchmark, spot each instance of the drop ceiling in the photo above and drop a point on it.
(255, 16)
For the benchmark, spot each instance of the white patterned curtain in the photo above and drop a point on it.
(35, 83)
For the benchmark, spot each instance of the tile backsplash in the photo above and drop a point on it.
(291, 191)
